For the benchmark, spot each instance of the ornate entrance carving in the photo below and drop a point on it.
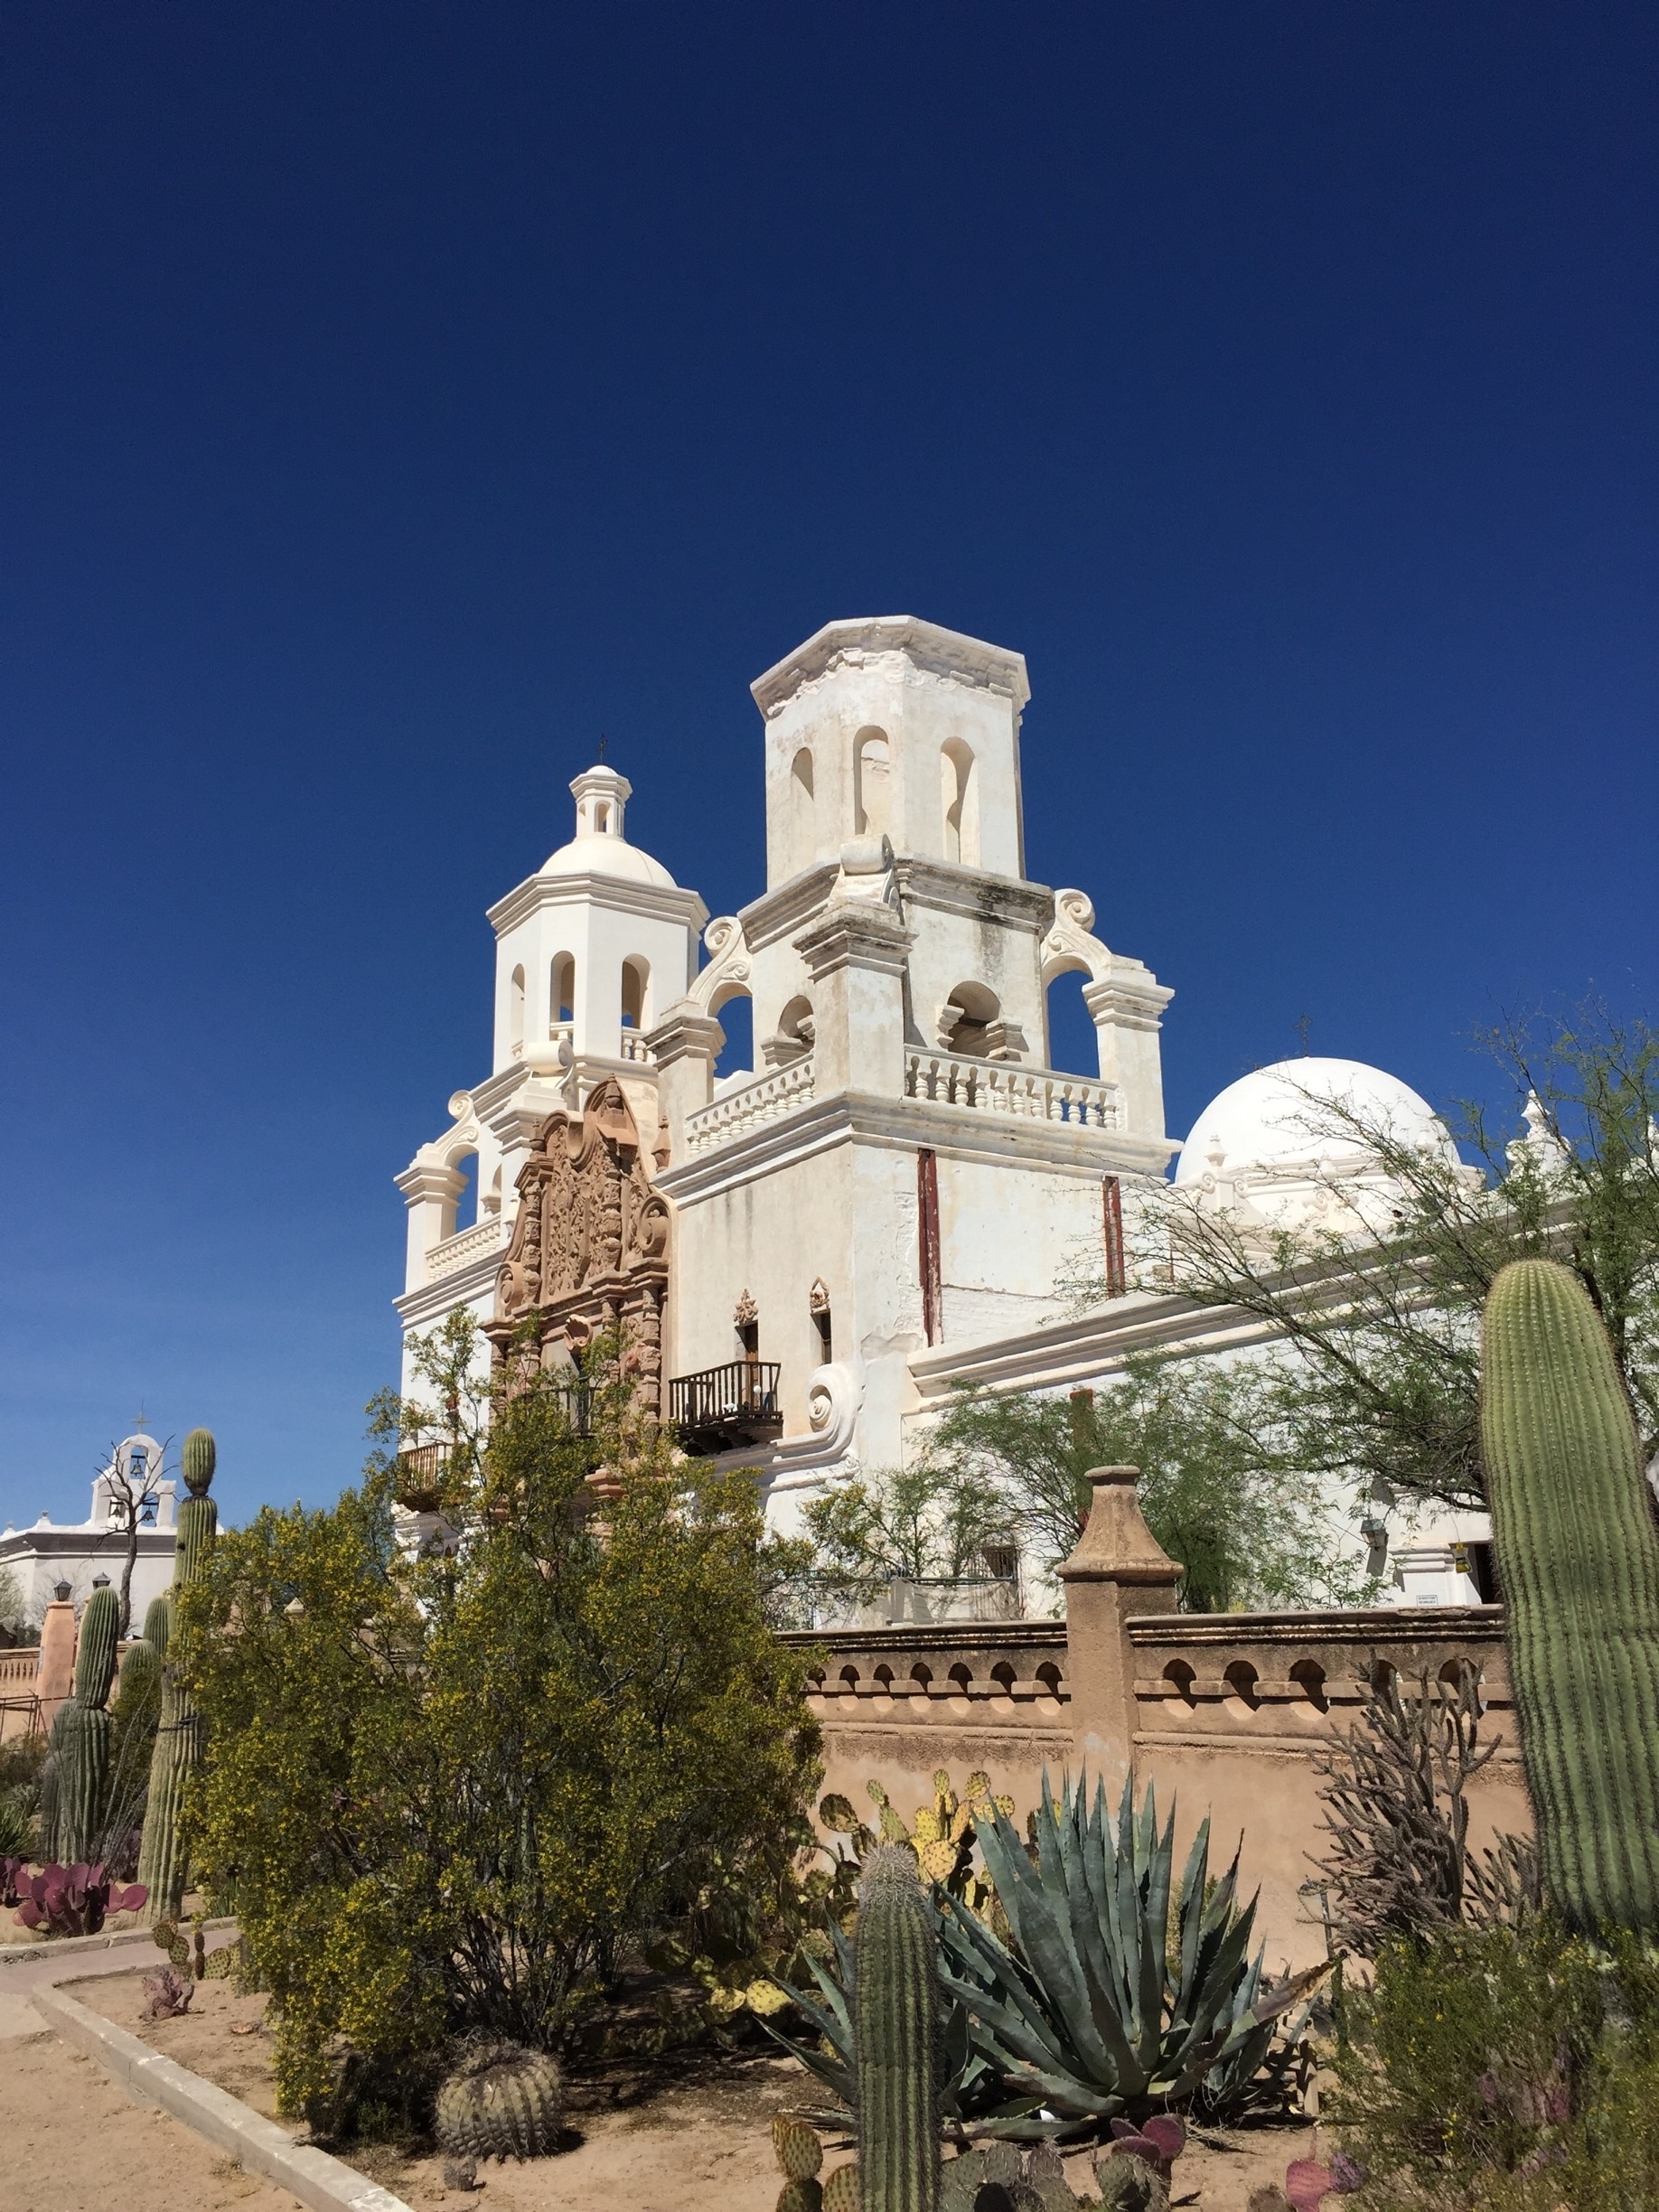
(589, 1248)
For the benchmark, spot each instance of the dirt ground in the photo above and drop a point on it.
(700, 2143)
(74, 2142)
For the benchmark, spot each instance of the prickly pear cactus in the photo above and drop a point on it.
(896, 2035)
(802, 2195)
(1577, 1556)
(796, 2148)
(840, 2190)
(503, 2101)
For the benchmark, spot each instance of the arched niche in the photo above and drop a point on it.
(872, 783)
(966, 1018)
(802, 811)
(958, 801)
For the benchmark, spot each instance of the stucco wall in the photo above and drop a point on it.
(1230, 1712)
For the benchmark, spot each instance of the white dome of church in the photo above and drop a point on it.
(599, 847)
(1269, 1120)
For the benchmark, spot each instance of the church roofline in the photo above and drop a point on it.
(943, 652)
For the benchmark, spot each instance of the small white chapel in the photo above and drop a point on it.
(807, 1254)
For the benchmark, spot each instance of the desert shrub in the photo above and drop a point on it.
(454, 1792)
(1503, 2068)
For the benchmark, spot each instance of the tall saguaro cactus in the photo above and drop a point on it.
(163, 1859)
(80, 1735)
(895, 2036)
(1579, 1558)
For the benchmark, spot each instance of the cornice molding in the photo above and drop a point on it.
(615, 894)
(949, 654)
(943, 888)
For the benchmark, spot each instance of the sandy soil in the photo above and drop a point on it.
(74, 2142)
(699, 2143)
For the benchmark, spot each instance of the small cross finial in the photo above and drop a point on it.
(602, 744)
(1305, 1024)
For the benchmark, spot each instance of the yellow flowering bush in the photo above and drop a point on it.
(459, 1791)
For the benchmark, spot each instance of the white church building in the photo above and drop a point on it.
(808, 1253)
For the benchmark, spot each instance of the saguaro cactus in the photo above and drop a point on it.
(80, 1736)
(895, 2036)
(162, 1861)
(1578, 1559)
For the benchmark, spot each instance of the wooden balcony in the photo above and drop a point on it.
(722, 1409)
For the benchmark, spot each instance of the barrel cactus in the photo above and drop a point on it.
(1578, 1557)
(163, 1861)
(896, 2036)
(503, 2101)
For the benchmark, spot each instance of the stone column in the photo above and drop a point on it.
(54, 1675)
(1117, 1573)
(1127, 1009)
(685, 1045)
(430, 1191)
(855, 952)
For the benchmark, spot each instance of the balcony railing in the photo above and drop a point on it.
(466, 1245)
(1004, 1087)
(767, 1099)
(722, 1409)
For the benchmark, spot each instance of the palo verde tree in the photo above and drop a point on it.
(458, 1791)
(1382, 1329)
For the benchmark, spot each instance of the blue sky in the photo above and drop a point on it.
(397, 395)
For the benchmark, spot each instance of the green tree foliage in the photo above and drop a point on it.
(1386, 1378)
(452, 1793)
(1217, 1487)
(929, 1522)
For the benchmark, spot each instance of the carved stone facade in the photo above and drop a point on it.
(589, 1245)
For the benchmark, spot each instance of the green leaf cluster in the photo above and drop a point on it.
(1381, 1319)
(455, 1793)
(1218, 1486)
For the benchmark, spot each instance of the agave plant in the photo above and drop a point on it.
(1100, 2008)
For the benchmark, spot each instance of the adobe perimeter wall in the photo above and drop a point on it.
(1227, 1712)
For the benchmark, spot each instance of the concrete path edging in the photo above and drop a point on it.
(257, 2143)
(73, 1946)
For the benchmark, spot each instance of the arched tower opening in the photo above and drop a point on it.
(872, 783)
(959, 796)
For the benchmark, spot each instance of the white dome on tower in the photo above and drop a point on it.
(1266, 1147)
(599, 847)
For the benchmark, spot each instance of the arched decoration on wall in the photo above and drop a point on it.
(967, 1019)
(802, 811)
(872, 783)
(636, 987)
(461, 1210)
(589, 1246)
(1071, 945)
(515, 1010)
(959, 797)
(561, 992)
(793, 1038)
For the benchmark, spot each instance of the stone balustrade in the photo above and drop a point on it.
(457, 1252)
(1004, 1087)
(735, 1112)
